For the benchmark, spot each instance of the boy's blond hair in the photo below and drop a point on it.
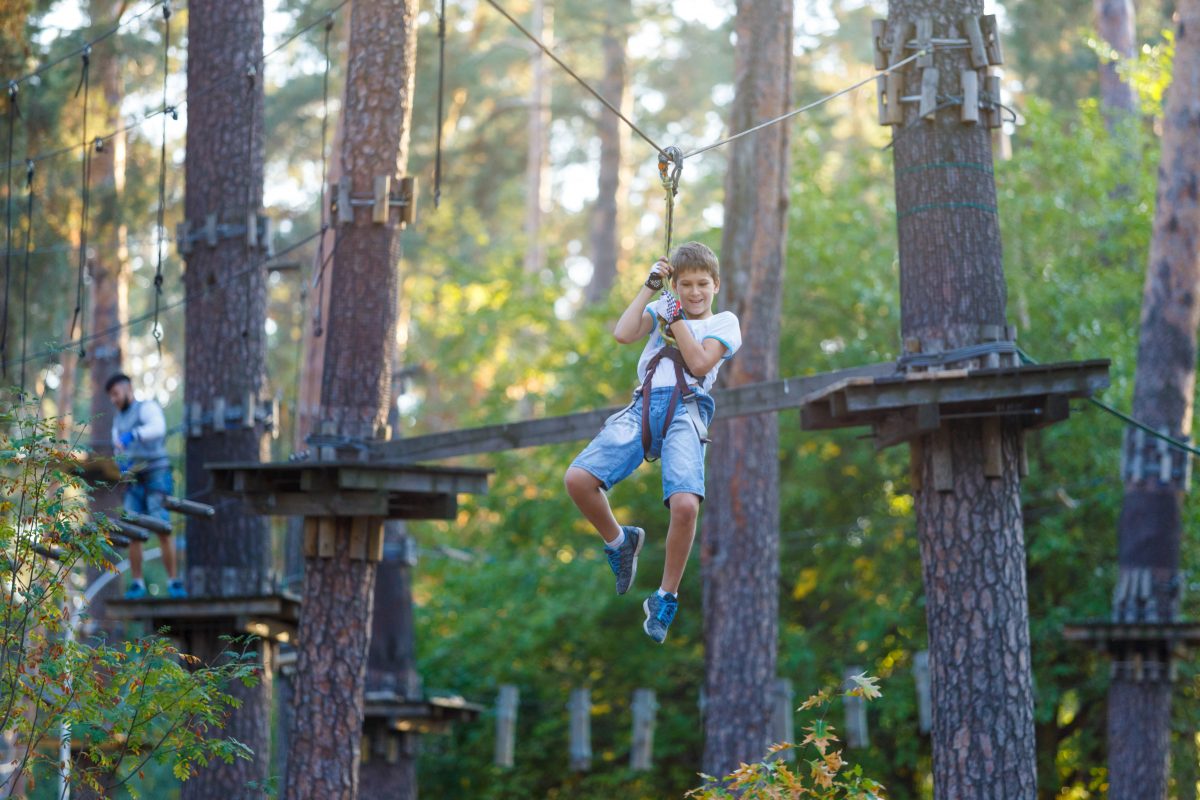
(692, 256)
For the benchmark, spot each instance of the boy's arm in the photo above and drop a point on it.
(635, 323)
(700, 357)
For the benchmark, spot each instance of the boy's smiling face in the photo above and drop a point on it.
(696, 289)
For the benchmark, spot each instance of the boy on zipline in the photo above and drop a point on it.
(668, 418)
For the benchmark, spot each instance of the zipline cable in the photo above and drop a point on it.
(541, 46)
(183, 102)
(808, 107)
(85, 47)
(218, 284)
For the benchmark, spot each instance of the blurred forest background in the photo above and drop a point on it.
(516, 590)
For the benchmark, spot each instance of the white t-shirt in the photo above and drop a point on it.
(723, 327)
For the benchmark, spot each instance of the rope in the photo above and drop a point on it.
(326, 210)
(538, 43)
(173, 109)
(1121, 415)
(156, 329)
(86, 193)
(29, 169)
(85, 47)
(437, 157)
(220, 283)
(808, 107)
(13, 113)
(670, 165)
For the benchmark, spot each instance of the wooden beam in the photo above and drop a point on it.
(755, 398)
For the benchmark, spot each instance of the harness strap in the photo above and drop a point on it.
(681, 388)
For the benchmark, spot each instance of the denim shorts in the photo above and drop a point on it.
(617, 450)
(146, 492)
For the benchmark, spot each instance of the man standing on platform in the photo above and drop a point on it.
(139, 434)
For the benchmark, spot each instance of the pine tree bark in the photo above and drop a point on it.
(605, 231)
(1115, 24)
(971, 537)
(1150, 527)
(225, 353)
(740, 537)
(360, 328)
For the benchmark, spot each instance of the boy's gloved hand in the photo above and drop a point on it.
(670, 309)
(126, 438)
(660, 272)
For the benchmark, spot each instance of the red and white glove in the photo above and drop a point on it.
(659, 274)
(670, 309)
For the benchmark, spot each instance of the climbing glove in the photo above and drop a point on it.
(670, 309)
(659, 273)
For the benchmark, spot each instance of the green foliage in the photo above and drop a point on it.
(119, 705)
(829, 776)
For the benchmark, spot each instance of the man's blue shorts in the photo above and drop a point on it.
(146, 492)
(617, 450)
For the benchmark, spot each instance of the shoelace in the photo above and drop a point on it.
(614, 558)
(666, 610)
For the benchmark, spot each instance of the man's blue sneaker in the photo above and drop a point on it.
(660, 612)
(623, 560)
(176, 590)
(135, 591)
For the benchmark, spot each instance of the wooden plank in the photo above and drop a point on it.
(916, 455)
(975, 41)
(402, 480)
(375, 537)
(878, 27)
(337, 504)
(758, 398)
(969, 114)
(906, 424)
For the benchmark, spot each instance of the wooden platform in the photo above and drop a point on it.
(383, 489)
(1139, 651)
(273, 617)
(422, 715)
(906, 405)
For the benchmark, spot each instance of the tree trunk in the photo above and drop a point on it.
(1115, 23)
(392, 668)
(605, 233)
(225, 355)
(971, 537)
(536, 168)
(1149, 531)
(355, 390)
(740, 542)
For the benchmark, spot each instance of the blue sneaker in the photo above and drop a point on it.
(623, 560)
(660, 613)
(176, 590)
(136, 591)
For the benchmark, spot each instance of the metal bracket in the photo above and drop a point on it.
(222, 418)
(381, 201)
(257, 231)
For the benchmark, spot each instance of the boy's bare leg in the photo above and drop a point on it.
(168, 554)
(685, 508)
(586, 491)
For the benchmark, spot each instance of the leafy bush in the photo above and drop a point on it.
(118, 706)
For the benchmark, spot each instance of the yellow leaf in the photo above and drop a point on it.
(865, 686)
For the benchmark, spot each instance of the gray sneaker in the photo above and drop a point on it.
(623, 560)
(660, 612)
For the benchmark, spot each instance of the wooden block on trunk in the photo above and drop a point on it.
(326, 536)
(1022, 456)
(895, 88)
(991, 39)
(878, 26)
(375, 539)
(993, 449)
(975, 40)
(358, 538)
(218, 415)
(916, 455)
(970, 92)
(311, 525)
(383, 198)
(899, 32)
(929, 87)
(345, 210)
(924, 41)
